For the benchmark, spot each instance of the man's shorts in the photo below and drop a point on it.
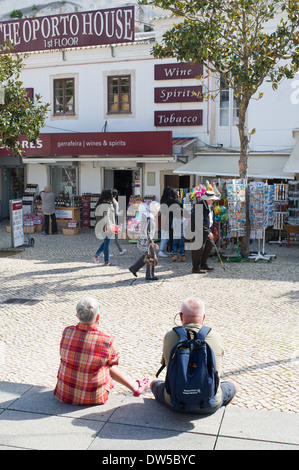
(228, 390)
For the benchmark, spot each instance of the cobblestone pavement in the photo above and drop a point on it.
(254, 306)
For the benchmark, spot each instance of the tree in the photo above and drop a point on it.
(229, 37)
(19, 115)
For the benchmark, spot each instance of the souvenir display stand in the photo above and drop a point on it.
(292, 226)
(221, 216)
(293, 200)
(281, 210)
(236, 207)
(261, 211)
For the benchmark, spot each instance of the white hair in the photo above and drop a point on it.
(154, 206)
(193, 307)
(87, 310)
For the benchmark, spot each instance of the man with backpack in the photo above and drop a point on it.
(193, 357)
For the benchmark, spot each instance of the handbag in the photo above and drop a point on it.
(150, 260)
(113, 228)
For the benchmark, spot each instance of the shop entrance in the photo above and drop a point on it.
(123, 182)
(12, 187)
(177, 182)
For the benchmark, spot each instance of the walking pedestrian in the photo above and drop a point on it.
(105, 225)
(117, 214)
(164, 224)
(146, 243)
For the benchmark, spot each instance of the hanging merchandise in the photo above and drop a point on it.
(280, 210)
(236, 206)
(261, 212)
(293, 203)
(198, 192)
(221, 215)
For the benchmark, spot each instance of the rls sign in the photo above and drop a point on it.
(110, 26)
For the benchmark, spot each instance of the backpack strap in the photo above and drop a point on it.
(160, 370)
(181, 332)
(201, 335)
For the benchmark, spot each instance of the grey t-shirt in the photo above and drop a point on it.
(48, 202)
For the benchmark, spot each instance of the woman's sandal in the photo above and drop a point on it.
(143, 384)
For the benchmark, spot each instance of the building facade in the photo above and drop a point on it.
(121, 118)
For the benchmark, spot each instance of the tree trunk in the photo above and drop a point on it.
(243, 169)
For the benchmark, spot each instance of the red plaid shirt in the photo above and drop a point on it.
(86, 355)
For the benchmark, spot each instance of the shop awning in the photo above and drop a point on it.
(260, 166)
(113, 160)
(292, 164)
(179, 144)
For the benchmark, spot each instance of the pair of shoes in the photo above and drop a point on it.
(183, 258)
(153, 278)
(122, 252)
(108, 263)
(133, 272)
(175, 257)
(96, 259)
(162, 254)
(143, 384)
(199, 271)
(207, 268)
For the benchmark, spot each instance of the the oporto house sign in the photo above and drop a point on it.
(109, 26)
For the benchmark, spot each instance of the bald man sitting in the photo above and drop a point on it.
(192, 317)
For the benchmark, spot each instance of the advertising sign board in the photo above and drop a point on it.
(16, 223)
(68, 30)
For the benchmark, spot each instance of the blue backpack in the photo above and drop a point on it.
(192, 379)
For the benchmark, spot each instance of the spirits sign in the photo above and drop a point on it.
(92, 28)
(181, 94)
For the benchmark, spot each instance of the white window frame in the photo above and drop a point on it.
(231, 118)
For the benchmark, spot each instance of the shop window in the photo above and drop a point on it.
(229, 105)
(64, 96)
(64, 182)
(119, 94)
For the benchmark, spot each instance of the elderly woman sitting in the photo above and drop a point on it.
(89, 361)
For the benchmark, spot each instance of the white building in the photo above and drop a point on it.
(121, 118)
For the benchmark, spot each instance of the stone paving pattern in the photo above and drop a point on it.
(254, 306)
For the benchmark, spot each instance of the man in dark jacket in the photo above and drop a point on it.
(200, 256)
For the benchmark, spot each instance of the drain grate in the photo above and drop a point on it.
(21, 301)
